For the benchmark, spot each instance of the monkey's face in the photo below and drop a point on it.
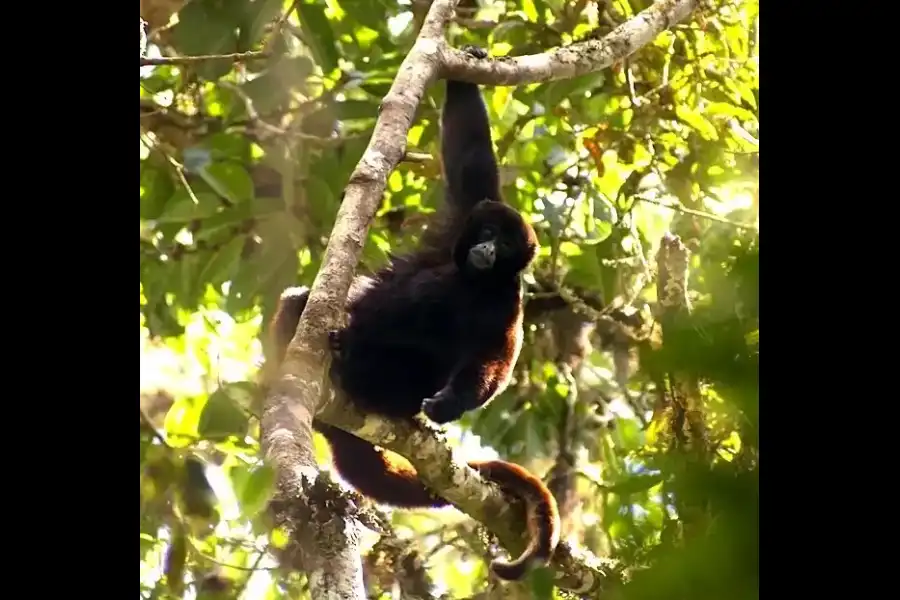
(495, 241)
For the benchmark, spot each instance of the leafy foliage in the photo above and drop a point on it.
(242, 169)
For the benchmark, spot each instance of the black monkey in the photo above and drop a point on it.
(439, 329)
(389, 478)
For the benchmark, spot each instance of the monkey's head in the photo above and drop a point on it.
(496, 240)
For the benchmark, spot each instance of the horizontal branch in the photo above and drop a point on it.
(575, 59)
(190, 60)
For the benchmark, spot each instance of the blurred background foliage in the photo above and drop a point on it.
(242, 167)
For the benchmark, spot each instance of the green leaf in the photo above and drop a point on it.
(542, 583)
(257, 490)
(743, 90)
(324, 208)
(181, 420)
(272, 90)
(258, 14)
(317, 29)
(202, 29)
(183, 207)
(608, 453)
(635, 484)
(156, 189)
(231, 219)
(725, 108)
(224, 146)
(222, 417)
(697, 121)
(161, 319)
(367, 12)
(353, 151)
(584, 270)
(557, 91)
(229, 179)
(271, 264)
(293, 71)
(190, 287)
(630, 435)
(601, 230)
(223, 263)
(514, 32)
(530, 10)
(267, 93)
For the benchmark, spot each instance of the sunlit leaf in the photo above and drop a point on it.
(182, 418)
(697, 121)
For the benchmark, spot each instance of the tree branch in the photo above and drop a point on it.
(190, 60)
(442, 471)
(575, 59)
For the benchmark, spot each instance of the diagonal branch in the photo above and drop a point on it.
(447, 474)
(331, 558)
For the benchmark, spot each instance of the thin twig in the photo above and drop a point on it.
(697, 213)
(190, 60)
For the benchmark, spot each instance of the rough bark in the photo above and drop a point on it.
(329, 553)
(332, 557)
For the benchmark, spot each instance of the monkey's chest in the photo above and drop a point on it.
(393, 372)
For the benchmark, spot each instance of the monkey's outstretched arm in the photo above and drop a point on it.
(470, 167)
(474, 383)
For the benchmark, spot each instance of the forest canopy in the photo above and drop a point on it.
(635, 397)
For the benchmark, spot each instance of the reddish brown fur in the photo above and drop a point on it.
(542, 515)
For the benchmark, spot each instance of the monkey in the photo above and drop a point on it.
(388, 478)
(438, 330)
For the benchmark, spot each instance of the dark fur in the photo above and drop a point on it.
(439, 330)
(389, 478)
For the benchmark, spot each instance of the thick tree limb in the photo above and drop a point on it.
(573, 60)
(330, 554)
(295, 398)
